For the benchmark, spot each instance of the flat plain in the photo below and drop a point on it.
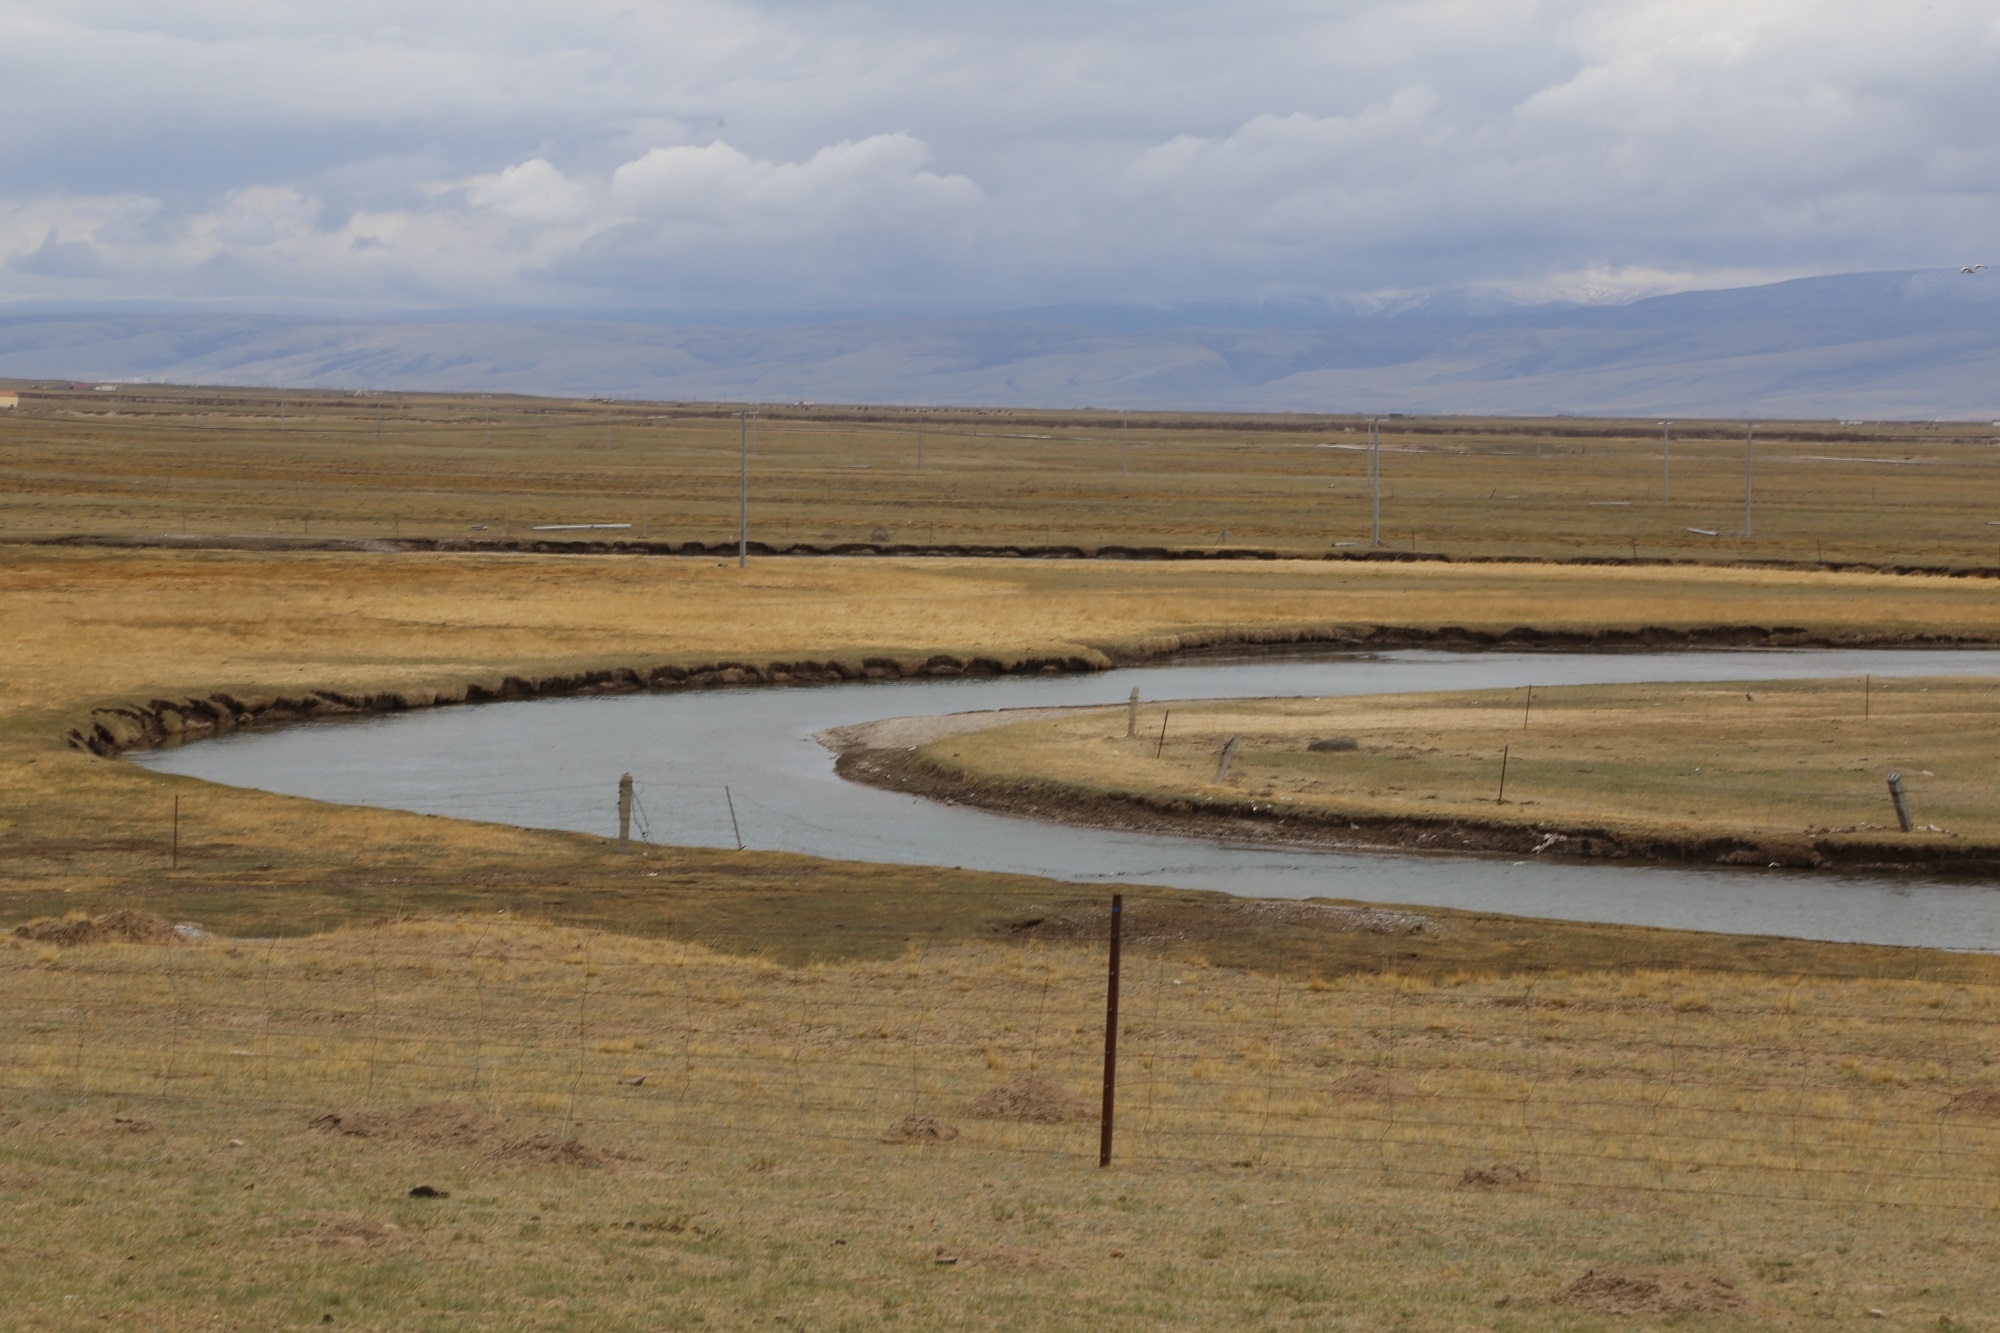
(676, 1086)
(149, 461)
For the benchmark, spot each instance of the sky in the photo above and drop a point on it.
(744, 157)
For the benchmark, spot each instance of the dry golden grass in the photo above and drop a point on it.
(1290, 1152)
(1751, 769)
(216, 462)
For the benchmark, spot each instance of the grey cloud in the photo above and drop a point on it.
(60, 259)
(923, 157)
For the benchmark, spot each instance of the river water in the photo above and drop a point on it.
(555, 763)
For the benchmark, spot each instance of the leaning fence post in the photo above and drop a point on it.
(1132, 714)
(1110, 1038)
(1228, 758)
(1902, 805)
(625, 808)
(734, 827)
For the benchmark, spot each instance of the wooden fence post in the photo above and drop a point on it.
(1228, 758)
(1902, 804)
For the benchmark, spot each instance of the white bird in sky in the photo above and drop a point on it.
(1972, 268)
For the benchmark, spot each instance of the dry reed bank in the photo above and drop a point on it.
(1750, 772)
(153, 461)
(619, 1133)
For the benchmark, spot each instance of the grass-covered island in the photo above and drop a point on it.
(1791, 773)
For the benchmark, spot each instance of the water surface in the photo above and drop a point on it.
(555, 763)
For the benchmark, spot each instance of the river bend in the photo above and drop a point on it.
(555, 763)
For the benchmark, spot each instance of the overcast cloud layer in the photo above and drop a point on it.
(738, 157)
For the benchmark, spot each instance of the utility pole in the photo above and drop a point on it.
(1375, 474)
(1749, 463)
(743, 496)
(920, 441)
(1666, 465)
(1125, 444)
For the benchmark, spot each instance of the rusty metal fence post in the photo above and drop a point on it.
(1110, 1038)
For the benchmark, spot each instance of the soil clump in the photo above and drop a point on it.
(920, 1129)
(1639, 1291)
(1499, 1176)
(1028, 1098)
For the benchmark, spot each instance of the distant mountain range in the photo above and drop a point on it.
(1874, 346)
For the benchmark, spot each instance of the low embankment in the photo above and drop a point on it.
(113, 729)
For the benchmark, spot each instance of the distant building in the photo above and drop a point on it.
(9, 400)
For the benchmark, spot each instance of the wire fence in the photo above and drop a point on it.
(1696, 1084)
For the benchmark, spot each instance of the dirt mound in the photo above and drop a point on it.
(1028, 1098)
(112, 928)
(434, 1125)
(349, 1231)
(1974, 1101)
(1372, 1083)
(1499, 1176)
(1629, 1291)
(920, 1129)
(545, 1150)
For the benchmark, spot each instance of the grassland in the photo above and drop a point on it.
(784, 1012)
(1750, 772)
(638, 1134)
(153, 462)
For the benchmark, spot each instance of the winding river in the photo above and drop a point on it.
(555, 764)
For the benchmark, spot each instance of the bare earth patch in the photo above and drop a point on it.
(920, 1129)
(1499, 1176)
(545, 1150)
(433, 1125)
(1638, 1290)
(1029, 1098)
(1975, 1101)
